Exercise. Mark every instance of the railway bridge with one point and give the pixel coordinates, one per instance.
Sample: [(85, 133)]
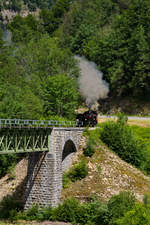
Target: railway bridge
[(51, 145)]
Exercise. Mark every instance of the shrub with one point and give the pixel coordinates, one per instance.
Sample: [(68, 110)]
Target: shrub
[(120, 138), (7, 162), (34, 213), (89, 213), (139, 215), (31, 214), (93, 141), (11, 172), (79, 171), (118, 205), (67, 211), (90, 149), (9, 207), (94, 212), (65, 180), (44, 214)]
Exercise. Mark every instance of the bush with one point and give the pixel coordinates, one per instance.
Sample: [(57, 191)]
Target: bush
[(139, 215), (65, 180), (118, 205), (11, 172), (44, 214), (9, 207), (67, 212), (90, 148), (120, 138), (94, 212), (7, 163), (93, 141), (35, 213), (79, 171), (89, 213)]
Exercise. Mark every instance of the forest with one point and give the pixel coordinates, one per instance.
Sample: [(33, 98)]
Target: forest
[(39, 78), (112, 33)]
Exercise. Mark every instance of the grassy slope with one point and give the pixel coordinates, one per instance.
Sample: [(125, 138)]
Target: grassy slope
[(108, 174)]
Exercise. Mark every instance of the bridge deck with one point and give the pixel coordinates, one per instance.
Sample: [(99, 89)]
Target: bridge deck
[(20, 136)]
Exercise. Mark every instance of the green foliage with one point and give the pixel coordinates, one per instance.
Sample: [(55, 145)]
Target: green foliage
[(120, 210), (65, 180), (118, 205), (85, 213), (24, 29), (35, 213), (32, 212), (142, 133), (139, 215), (67, 211), (52, 18), (7, 163), (18, 5), (24, 79), (120, 138), (115, 35), (1, 40), (94, 212), (92, 142), (90, 149), (11, 171), (77, 172), (60, 96), (9, 207)]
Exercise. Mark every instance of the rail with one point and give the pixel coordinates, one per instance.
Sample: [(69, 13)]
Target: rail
[(20, 123)]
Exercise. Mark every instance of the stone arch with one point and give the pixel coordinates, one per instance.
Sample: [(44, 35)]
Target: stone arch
[(68, 152)]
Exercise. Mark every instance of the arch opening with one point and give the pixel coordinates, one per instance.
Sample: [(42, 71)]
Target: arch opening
[(67, 155)]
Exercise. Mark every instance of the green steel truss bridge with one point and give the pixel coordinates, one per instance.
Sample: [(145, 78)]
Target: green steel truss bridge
[(20, 136)]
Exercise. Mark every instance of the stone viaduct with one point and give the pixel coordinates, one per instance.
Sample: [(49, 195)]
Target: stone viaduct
[(45, 169)]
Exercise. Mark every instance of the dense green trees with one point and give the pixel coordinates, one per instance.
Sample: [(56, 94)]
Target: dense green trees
[(115, 35), (25, 29), (25, 75), (51, 19), (61, 96)]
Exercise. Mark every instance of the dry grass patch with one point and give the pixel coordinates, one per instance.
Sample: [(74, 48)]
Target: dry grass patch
[(141, 123), (108, 175)]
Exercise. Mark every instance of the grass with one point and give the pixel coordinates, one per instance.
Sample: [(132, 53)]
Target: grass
[(141, 123), (143, 133), (93, 183)]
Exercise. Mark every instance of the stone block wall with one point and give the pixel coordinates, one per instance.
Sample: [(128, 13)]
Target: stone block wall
[(44, 176)]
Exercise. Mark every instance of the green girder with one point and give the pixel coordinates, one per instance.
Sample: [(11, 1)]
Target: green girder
[(16, 140)]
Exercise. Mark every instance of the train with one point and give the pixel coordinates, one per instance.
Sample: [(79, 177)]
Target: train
[(88, 118)]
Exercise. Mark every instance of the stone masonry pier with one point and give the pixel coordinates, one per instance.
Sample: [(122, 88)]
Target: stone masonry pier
[(44, 176)]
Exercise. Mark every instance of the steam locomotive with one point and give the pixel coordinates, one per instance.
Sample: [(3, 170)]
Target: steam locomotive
[(88, 118)]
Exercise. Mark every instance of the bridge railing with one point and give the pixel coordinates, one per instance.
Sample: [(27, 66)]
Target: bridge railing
[(4, 123)]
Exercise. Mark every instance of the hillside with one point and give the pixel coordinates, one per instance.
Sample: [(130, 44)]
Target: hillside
[(108, 175), (112, 34)]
